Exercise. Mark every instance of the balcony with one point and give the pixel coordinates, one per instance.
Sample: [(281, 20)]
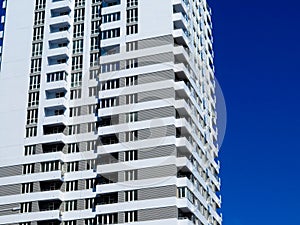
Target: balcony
[(181, 36), (61, 84), (58, 4), (182, 54), (54, 147), (56, 102), (180, 20), (105, 199), (43, 217), (109, 3), (58, 52), (181, 5), (60, 35), (60, 119), (108, 159), (182, 90), (49, 205), (50, 185), (63, 19), (108, 178)]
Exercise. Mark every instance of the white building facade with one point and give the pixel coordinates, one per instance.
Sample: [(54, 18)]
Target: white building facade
[(112, 119)]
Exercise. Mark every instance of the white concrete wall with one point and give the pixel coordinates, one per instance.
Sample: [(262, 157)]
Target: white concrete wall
[(14, 77), (155, 18)]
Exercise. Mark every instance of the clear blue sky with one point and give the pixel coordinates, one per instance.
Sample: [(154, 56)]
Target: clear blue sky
[(257, 47)]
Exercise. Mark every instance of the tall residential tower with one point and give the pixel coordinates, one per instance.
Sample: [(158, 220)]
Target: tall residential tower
[(108, 113)]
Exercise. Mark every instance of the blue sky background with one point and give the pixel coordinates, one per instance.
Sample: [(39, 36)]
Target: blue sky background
[(257, 47)]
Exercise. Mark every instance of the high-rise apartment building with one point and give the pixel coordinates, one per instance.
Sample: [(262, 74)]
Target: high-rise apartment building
[(108, 113)]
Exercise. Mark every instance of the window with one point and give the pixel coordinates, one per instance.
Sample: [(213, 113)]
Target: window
[(78, 46), (96, 11), (94, 43), (95, 26), (37, 49), (70, 222), (132, 80), (91, 145), (38, 33), (26, 207), (94, 59), (39, 18), (132, 15), (131, 3), (181, 192), (131, 136), (34, 82), (58, 112), (74, 129), (72, 185), (107, 219), (130, 216), (31, 131), (111, 17), (79, 3), (28, 169), (70, 205), (33, 99), (78, 30), (131, 155), (94, 74), (75, 94), (132, 46), (79, 14), (110, 84), (29, 150), (40, 4), (50, 166), (92, 91), (107, 34), (108, 102), (77, 62), (90, 183), (36, 65), (132, 29), (131, 196), (57, 76), (61, 61), (72, 166), (131, 63), (110, 50), (75, 111), (90, 164), (89, 203), (92, 109), (89, 222), (91, 127), (131, 99), (76, 79), (32, 116), (27, 188), (131, 117), (59, 94), (110, 67), (73, 148), (130, 175)]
